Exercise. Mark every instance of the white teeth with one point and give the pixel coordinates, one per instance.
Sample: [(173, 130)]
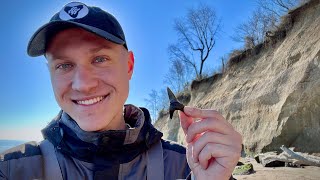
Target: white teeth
[(90, 101)]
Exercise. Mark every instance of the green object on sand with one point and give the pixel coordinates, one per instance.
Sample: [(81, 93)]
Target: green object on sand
[(243, 170)]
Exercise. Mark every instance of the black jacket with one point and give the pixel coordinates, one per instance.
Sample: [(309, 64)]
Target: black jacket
[(123, 154)]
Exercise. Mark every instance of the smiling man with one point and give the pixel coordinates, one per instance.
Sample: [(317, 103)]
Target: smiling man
[(90, 78), (97, 136)]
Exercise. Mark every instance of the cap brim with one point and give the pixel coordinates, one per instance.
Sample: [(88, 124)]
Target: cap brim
[(39, 40)]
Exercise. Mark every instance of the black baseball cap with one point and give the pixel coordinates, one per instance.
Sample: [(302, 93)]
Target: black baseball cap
[(77, 14)]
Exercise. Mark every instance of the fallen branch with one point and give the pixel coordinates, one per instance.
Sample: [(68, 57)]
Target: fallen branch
[(288, 156), (301, 158)]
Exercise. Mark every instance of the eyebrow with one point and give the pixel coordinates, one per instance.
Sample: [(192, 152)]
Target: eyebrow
[(97, 49), (92, 50), (53, 58)]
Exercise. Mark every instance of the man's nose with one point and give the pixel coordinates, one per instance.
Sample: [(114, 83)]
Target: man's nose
[(84, 80)]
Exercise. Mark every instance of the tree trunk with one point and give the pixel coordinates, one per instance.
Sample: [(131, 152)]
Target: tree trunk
[(201, 66), (288, 156), (302, 158)]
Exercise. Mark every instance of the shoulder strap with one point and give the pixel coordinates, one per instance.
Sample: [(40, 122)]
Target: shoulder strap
[(155, 168), (51, 165)]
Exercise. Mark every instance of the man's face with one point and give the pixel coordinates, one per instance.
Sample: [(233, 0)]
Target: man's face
[(90, 78)]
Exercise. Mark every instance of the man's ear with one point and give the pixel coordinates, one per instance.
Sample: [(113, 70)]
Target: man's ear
[(47, 62), (130, 64)]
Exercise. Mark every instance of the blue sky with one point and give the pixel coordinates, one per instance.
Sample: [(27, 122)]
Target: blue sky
[(28, 103)]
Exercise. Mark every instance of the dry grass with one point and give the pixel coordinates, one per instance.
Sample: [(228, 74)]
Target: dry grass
[(209, 80)]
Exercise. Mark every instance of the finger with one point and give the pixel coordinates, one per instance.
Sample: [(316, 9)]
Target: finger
[(211, 137), (222, 154), (185, 121), (189, 154), (204, 125), (202, 113)]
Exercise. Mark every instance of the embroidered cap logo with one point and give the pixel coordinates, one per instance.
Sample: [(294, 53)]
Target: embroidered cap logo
[(74, 10)]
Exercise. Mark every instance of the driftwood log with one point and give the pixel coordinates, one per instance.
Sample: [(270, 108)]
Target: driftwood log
[(288, 156)]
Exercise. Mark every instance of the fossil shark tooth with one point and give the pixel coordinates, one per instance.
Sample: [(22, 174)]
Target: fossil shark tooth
[(174, 103)]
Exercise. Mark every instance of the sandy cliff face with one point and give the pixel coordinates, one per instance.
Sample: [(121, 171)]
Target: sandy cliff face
[(272, 98)]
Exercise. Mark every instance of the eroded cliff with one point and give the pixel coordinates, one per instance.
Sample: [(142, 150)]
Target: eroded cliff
[(272, 97)]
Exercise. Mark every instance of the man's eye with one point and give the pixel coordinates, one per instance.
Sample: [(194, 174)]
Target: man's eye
[(64, 66), (100, 59)]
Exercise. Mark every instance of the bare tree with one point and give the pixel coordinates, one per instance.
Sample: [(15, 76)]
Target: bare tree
[(183, 54), (278, 7), (180, 72), (175, 77), (197, 31), (264, 19), (164, 99), (252, 32), (153, 104)]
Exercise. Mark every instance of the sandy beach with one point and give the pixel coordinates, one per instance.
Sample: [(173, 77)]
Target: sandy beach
[(279, 173)]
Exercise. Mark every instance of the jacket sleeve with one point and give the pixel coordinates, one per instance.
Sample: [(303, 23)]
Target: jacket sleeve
[(3, 170), (22, 162), (175, 161)]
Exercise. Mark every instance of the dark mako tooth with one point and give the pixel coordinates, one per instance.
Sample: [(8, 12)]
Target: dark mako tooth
[(174, 103)]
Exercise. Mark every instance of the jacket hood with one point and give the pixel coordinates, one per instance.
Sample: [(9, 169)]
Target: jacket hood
[(113, 145)]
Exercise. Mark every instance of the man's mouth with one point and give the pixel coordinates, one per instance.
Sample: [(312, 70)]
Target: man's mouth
[(90, 101)]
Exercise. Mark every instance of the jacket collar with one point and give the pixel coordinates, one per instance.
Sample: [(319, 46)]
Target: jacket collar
[(133, 116), (115, 145)]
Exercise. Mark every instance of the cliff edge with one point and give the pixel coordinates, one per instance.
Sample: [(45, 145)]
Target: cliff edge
[(271, 97)]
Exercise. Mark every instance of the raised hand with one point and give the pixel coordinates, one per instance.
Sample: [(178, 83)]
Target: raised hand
[(213, 146)]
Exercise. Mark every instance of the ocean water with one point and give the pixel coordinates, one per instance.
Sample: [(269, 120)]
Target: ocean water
[(7, 144)]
